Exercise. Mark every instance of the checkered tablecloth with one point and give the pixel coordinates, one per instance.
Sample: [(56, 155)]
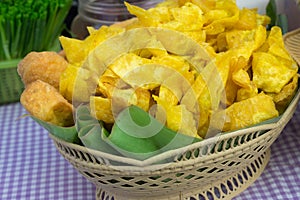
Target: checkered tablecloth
[(32, 169)]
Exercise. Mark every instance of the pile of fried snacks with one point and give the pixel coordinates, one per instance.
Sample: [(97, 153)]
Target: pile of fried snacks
[(248, 75)]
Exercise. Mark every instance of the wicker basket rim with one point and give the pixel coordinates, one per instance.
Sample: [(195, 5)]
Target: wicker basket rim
[(291, 40), (209, 141)]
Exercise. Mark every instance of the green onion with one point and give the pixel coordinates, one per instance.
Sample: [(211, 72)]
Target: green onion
[(30, 25)]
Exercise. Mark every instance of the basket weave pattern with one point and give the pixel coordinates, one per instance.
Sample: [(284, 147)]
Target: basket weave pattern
[(11, 85), (291, 40), (219, 189), (219, 169)]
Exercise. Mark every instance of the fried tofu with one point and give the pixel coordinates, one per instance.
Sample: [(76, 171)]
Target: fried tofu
[(44, 101), (46, 66)]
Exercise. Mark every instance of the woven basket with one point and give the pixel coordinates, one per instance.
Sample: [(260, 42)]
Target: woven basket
[(291, 40), (11, 85), (216, 168)]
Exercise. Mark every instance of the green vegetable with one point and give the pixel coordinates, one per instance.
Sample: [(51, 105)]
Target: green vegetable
[(277, 19), (30, 25)]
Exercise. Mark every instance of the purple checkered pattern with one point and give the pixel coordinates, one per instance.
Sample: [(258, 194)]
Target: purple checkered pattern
[(32, 169), (281, 178), (30, 166)]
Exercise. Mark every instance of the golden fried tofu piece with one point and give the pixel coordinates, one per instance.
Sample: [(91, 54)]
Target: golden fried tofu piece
[(269, 74), (101, 109), (46, 66), (44, 102), (105, 109), (284, 97), (246, 113)]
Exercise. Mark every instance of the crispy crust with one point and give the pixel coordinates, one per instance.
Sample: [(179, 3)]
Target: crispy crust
[(43, 101), (46, 66)]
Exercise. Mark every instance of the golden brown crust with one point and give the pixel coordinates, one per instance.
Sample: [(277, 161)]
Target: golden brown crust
[(283, 99), (46, 66), (44, 102)]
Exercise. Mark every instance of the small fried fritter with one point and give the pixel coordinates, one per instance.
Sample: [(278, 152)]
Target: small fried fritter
[(44, 102), (46, 66)]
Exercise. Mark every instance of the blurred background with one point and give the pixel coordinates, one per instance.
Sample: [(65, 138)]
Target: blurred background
[(99, 12), (95, 13), (72, 14)]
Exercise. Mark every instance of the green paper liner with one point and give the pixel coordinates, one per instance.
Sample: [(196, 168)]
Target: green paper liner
[(91, 132), (134, 138), (68, 134), (124, 139)]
